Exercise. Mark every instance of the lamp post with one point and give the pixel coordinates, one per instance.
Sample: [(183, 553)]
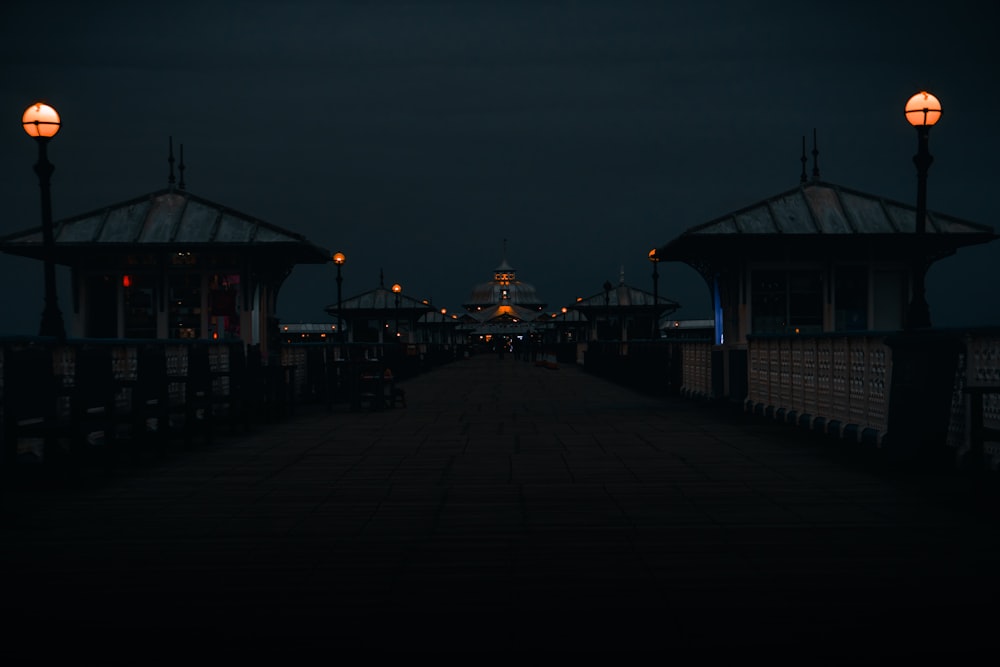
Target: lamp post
[(922, 111), (924, 361), (396, 289), (339, 258), (607, 305), (42, 122), (656, 291), (656, 275)]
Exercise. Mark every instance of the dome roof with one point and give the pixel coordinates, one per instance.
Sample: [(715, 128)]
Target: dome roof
[(504, 290), (517, 293)]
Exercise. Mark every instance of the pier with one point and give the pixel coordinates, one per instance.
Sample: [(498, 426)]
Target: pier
[(510, 505)]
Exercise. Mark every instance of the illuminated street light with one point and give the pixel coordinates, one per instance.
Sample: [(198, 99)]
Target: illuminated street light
[(396, 289), (656, 275), (654, 258), (42, 122), (339, 259), (923, 110)]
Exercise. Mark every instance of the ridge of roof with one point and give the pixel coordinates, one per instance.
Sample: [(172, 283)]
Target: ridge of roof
[(937, 219)]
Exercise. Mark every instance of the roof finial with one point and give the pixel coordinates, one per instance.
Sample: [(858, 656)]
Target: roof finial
[(381, 278), (621, 275), (170, 159), (815, 157), (802, 176), (181, 168)]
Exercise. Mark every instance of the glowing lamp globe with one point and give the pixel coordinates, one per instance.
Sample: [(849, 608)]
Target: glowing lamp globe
[(652, 256), (40, 121), (923, 109), (339, 258), (397, 288)]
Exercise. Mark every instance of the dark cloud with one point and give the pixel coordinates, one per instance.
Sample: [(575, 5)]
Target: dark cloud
[(416, 136)]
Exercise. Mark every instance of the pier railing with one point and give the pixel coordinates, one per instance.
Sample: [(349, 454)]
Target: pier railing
[(840, 384), (84, 398), (834, 383)]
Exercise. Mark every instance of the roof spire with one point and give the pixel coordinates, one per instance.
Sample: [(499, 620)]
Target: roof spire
[(381, 278), (802, 177), (621, 275), (170, 159), (815, 157), (181, 168)]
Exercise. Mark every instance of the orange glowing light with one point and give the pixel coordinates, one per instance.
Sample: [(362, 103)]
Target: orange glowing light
[(397, 288), (40, 120), (923, 109), (339, 258), (652, 256)]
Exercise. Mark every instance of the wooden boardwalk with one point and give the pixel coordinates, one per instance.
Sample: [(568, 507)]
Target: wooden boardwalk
[(509, 506)]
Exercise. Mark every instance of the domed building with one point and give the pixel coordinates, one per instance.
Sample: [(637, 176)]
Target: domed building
[(504, 305)]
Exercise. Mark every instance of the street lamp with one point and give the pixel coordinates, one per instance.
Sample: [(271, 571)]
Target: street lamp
[(656, 275), (607, 306), (922, 111), (396, 289), (42, 122), (654, 258), (340, 259)]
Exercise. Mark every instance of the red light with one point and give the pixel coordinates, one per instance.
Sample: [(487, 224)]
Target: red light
[(126, 280)]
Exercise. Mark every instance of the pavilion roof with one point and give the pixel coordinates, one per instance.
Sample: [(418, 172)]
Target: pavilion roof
[(168, 219), (625, 297), (819, 217)]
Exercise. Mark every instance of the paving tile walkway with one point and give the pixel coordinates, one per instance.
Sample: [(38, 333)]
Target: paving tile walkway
[(509, 506)]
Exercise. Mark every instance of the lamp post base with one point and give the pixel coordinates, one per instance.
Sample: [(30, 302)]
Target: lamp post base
[(52, 324), (923, 379), (918, 315)]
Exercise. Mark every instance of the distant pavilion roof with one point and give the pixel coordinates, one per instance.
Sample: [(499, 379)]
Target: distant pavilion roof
[(380, 301), (507, 311), (519, 295), (168, 219), (823, 219), (623, 297)]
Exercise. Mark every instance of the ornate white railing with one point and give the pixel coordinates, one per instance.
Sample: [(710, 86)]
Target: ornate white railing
[(843, 382), (696, 368), (823, 381)]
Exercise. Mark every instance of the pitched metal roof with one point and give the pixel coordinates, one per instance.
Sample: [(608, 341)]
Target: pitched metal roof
[(824, 208), (507, 310), (166, 219), (818, 215), (380, 300), (624, 297)]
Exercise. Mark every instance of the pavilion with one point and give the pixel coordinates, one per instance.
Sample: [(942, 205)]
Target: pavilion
[(504, 306), (623, 312), (170, 264), (818, 258)]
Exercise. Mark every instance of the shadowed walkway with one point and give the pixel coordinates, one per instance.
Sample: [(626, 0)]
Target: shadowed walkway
[(509, 506)]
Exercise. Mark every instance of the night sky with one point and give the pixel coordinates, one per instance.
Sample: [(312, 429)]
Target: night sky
[(416, 136)]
